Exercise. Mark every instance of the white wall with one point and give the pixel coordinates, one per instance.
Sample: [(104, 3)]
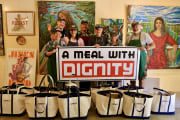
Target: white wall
[(169, 79)]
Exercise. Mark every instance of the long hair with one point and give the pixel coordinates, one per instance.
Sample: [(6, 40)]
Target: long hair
[(77, 35), (163, 28), (69, 19)]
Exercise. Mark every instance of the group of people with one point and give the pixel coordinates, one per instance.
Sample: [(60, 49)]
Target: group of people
[(152, 46)]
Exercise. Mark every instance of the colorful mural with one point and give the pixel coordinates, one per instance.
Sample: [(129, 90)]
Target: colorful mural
[(146, 15), (72, 11), (110, 25), (1, 33)]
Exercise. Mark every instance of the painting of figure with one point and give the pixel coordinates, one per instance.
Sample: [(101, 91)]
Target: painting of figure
[(61, 15), (162, 23)]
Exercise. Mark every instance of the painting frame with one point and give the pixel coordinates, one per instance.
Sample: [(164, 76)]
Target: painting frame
[(2, 51), (20, 22)]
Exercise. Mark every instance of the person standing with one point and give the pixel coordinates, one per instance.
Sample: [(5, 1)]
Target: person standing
[(50, 52), (84, 33), (97, 39), (160, 37), (143, 42)]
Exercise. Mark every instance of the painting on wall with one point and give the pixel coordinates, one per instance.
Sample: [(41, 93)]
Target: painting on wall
[(164, 55), (72, 11), (20, 22), (110, 25), (21, 67), (1, 33)]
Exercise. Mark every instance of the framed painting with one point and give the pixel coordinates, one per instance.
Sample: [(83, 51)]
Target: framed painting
[(1, 33), (20, 22), (110, 25), (72, 11), (166, 54)]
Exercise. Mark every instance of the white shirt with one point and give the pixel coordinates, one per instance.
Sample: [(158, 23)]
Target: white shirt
[(145, 38)]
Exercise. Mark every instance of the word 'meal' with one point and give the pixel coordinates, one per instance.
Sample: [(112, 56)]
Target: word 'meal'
[(97, 54)]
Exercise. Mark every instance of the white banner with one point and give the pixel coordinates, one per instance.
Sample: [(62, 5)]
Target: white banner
[(104, 63)]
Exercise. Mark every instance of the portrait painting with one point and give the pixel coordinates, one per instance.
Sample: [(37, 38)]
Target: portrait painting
[(166, 21), (72, 11)]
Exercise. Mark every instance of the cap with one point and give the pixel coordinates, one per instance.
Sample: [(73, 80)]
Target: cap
[(134, 23), (98, 26), (61, 19), (53, 30), (73, 27), (113, 33), (84, 21)]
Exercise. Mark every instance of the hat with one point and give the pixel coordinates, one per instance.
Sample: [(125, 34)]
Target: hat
[(53, 30), (73, 27), (134, 23), (113, 33), (84, 21), (61, 19), (98, 26)]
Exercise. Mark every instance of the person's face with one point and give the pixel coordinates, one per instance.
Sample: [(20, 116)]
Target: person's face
[(84, 27), (114, 38), (58, 36), (20, 76), (135, 28), (158, 24), (53, 36), (61, 24), (73, 33), (99, 31)]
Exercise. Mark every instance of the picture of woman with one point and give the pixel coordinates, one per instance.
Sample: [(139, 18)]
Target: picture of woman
[(160, 37)]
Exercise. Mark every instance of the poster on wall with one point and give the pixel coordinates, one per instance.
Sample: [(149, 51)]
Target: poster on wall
[(104, 63), (162, 23), (110, 25), (1, 33), (21, 66), (72, 11)]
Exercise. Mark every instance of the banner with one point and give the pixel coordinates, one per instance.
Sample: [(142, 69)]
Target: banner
[(104, 63), (21, 66)]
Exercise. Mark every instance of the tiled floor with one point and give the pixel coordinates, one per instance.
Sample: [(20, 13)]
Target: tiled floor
[(93, 116)]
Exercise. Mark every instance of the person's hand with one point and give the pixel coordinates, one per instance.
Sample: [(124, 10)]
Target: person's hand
[(97, 45), (174, 58), (49, 27), (141, 48), (57, 46), (54, 51)]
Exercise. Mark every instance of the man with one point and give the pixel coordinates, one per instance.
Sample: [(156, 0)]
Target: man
[(97, 39), (143, 42), (84, 33)]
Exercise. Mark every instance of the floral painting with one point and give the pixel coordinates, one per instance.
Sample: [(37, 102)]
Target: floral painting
[(110, 25)]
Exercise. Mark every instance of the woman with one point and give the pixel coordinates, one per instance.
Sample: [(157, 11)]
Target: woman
[(73, 39), (160, 37)]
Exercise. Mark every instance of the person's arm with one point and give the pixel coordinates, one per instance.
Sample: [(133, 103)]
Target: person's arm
[(50, 52), (49, 28), (80, 42), (66, 40), (150, 43), (175, 46)]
